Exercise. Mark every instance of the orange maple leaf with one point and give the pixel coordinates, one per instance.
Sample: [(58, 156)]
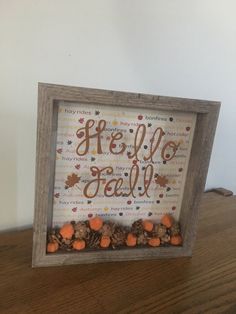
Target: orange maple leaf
[(72, 180), (161, 180)]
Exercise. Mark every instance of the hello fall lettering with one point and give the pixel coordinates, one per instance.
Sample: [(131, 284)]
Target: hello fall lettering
[(113, 186)]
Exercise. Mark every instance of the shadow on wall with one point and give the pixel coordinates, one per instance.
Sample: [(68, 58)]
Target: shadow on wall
[(8, 168), (17, 138)]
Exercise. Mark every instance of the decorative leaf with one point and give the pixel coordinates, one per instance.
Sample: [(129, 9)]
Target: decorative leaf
[(161, 180), (72, 180)]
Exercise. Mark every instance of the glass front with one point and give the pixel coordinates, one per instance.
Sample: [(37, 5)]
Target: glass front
[(119, 176)]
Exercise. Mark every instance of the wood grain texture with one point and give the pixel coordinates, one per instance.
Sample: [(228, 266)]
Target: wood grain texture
[(205, 283), (118, 98), (49, 94)]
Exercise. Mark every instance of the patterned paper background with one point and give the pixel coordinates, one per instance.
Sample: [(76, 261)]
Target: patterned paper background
[(73, 172)]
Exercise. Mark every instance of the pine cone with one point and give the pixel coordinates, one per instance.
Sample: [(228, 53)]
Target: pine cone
[(64, 244), (81, 230), (54, 235), (93, 239), (137, 227), (142, 239), (107, 229), (118, 237), (159, 230), (175, 229), (67, 242), (165, 239)]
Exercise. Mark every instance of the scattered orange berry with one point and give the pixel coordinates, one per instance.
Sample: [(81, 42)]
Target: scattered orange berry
[(131, 240), (79, 245), (67, 231), (96, 223), (105, 241), (167, 220), (52, 247), (154, 242), (176, 240), (147, 225)]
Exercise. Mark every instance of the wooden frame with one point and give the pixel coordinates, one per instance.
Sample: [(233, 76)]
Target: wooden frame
[(48, 95)]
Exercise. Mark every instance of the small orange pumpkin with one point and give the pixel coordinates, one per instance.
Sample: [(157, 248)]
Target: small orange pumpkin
[(154, 242), (176, 240), (96, 223), (52, 247), (79, 245), (67, 231), (167, 220), (105, 241), (131, 240), (147, 225)]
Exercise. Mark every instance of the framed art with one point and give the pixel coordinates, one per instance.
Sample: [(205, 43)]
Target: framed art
[(119, 176)]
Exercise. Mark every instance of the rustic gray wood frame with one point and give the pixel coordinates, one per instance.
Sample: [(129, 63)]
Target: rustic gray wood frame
[(48, 96)]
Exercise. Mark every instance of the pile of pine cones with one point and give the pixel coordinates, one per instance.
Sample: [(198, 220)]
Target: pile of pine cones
[(96, 234)]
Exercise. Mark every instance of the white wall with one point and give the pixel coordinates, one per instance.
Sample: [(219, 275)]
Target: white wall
[(183, 48)]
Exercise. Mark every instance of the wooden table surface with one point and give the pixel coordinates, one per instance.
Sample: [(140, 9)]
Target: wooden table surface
[(205, 283)]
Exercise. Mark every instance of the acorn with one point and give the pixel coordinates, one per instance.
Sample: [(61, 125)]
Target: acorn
[(79, 245), (105, 241), (167, 220), (67, 231), (176, 240), (147, 225), (154, 242), (96, 223), (52, 247), (131, 240)]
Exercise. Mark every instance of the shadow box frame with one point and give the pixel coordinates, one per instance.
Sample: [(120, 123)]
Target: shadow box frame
[(48, 97)]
